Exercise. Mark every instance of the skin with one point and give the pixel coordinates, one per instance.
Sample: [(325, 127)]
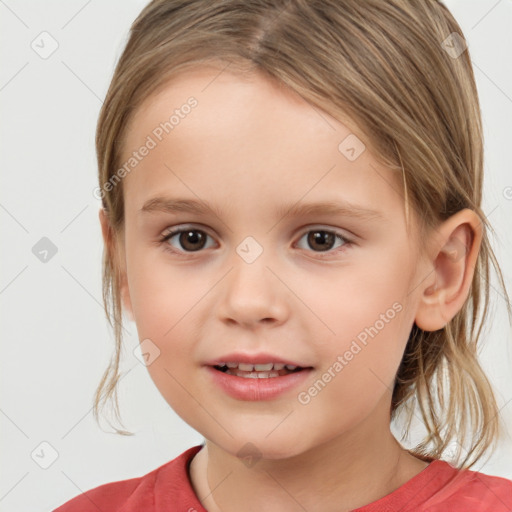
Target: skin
[(249, 147)]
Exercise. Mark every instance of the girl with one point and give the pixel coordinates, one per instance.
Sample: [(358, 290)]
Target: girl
[(292, 217)]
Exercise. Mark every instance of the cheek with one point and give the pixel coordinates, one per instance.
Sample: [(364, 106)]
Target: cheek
[(162, 294), (164, 300), (351, 300), (358, 370), (365, 322)]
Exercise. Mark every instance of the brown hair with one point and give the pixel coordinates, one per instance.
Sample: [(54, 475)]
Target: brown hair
[(385, 66)]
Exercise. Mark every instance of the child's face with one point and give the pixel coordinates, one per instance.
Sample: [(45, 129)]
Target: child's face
[(252, 150)]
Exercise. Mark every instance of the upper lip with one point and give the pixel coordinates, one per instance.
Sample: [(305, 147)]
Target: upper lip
[(259, 358)]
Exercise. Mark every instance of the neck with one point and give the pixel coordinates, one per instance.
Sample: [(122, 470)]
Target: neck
[(349, 471)]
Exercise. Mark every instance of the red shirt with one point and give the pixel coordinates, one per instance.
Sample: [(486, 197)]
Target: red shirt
[(438, 488)]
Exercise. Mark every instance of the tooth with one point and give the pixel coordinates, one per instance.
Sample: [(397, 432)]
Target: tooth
[(278, 366), (245, 367), (232, 365), (291, 367), (256, 375), (263, 367)]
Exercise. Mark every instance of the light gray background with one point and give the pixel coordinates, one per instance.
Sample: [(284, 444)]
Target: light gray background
[(55, 339)]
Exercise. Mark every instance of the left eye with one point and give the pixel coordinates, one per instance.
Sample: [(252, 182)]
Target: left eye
[(323, 239)]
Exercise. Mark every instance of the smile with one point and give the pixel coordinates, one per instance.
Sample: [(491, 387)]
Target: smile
[(254, 384)]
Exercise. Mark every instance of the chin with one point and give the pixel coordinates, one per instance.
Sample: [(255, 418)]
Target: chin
[(250, 449)]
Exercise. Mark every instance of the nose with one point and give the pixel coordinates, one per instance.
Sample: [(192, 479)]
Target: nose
[(252, 295)]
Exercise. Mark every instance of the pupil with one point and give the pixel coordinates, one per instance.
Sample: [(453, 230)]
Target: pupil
[(320, 237)]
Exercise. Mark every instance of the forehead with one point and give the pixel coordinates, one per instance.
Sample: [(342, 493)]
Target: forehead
[(231, 101), (215, 132)]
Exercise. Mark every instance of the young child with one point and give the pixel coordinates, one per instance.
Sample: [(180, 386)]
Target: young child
[(326, 158)]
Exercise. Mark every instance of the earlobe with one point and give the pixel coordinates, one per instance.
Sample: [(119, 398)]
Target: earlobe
[(117, 261), (447, 287)]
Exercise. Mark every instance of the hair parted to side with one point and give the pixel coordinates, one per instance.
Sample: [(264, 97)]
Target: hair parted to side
[(378, 64)]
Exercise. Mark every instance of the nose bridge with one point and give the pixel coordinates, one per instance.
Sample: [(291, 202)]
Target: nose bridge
[(251, 291)]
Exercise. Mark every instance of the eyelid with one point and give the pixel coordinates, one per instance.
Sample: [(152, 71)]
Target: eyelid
[(184, 227), (348, 235)]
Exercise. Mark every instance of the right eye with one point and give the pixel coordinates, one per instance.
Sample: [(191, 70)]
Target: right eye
[(190, 239)]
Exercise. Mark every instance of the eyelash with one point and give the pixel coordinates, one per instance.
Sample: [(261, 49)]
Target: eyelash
[(348, 242)]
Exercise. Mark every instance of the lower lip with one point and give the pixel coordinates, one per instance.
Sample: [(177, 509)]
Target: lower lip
[(243, 388)]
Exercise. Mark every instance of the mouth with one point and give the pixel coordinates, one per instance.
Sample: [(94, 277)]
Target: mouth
[(259, 371)]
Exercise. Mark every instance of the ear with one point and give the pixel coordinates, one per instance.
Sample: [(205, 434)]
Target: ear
[(454, 249), (115, 249)]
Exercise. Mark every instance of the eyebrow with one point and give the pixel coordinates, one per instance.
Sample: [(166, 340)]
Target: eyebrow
[(338, 207)]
